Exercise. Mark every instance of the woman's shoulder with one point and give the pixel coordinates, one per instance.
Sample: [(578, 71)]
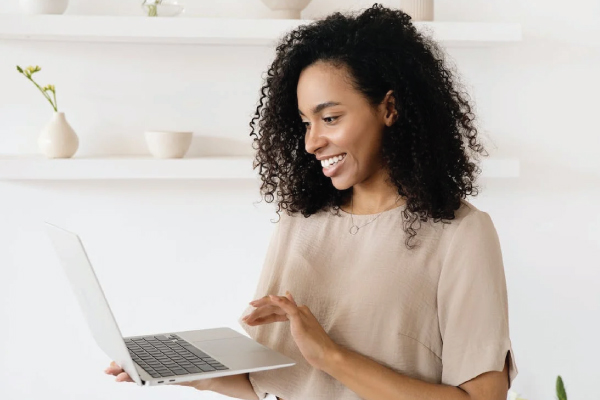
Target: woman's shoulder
[(442, 230), (468, 211), (469, 224), (284, 218)]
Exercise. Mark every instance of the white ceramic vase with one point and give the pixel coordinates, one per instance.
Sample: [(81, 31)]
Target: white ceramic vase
[(289, 9), (43, 6), (58, 139), (419, 10)]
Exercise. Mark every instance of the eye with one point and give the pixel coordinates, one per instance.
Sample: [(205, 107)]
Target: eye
[(324, 119)]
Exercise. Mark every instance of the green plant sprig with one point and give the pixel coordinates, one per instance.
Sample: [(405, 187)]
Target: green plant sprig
[(28, 72), (152, 11), (560, 389)]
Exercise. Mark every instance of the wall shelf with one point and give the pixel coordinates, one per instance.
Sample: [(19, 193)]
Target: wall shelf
[(220, 31), (37, 167)]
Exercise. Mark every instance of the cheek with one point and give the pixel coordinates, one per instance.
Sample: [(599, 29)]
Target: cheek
[(362, 154), (352, 142), (370, 150), (362, 143)]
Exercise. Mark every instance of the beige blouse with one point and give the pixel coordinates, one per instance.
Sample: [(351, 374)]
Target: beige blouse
[(437, 313)]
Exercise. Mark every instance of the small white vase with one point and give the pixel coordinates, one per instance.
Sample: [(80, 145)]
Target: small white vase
[(419, 10), (43, 6), (58, 139)]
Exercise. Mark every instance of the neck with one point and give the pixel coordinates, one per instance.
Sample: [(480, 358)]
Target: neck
[(373, 197)]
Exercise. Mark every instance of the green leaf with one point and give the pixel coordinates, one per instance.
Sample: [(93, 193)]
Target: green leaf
[(560, 389)]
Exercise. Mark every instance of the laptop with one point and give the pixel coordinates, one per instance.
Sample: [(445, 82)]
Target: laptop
[(160, 358)]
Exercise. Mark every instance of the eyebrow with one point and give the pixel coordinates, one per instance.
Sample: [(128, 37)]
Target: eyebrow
[(321, 106)]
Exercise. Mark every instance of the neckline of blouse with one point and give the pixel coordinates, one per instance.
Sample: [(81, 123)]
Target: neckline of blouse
[(363, 216)]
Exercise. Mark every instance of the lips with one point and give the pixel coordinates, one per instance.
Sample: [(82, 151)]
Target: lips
[(333, 170)]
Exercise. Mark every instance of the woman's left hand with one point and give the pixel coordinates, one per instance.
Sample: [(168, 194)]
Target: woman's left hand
[(310, 337)]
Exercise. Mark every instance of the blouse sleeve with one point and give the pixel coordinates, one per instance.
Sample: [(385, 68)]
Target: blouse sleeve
[(473, 304), (265, 277)]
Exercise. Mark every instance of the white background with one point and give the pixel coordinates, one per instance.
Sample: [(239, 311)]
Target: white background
[(179, 255)]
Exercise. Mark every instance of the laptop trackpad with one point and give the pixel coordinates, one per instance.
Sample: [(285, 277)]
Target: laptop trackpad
[(227, 346)]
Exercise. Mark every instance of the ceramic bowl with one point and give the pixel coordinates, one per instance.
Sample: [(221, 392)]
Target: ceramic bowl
[(43, 6), (286, 8), (168, 144)]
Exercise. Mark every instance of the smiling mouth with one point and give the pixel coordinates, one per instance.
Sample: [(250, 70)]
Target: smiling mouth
[(327, 164)]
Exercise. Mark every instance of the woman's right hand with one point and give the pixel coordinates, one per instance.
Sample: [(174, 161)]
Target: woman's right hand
[(122, 376)]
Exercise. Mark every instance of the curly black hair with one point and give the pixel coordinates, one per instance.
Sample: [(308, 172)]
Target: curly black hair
[(428, 149)]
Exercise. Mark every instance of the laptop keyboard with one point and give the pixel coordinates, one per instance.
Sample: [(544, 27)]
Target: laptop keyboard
[(170, 355)]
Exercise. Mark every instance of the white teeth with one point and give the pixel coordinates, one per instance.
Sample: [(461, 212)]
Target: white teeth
[(332, 160)]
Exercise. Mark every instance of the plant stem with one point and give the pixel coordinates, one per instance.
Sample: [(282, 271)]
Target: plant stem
[(152, 9), (43, 92)]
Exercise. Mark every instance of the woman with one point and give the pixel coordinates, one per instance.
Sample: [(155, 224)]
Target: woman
[(363, 133)]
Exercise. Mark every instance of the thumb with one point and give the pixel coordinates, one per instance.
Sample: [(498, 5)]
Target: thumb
[(289, 296)]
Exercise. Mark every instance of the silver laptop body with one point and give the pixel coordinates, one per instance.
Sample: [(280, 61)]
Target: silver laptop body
[(192, 355)]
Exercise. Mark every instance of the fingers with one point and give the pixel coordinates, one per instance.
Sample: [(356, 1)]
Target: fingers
[(267, 299), (262, 312), (268, 319), (289, 307), (117, 371), (261, 301), (289, 296), (113, 369), (124, 377)]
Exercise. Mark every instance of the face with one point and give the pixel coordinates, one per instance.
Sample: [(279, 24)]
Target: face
[(341, 124)]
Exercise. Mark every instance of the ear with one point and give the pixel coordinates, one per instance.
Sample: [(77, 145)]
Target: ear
[(389, 105)]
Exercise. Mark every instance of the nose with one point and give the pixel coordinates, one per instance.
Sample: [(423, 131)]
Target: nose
[(314, 140)]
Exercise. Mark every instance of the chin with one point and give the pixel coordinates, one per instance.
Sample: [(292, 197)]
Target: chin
[(340, 184)]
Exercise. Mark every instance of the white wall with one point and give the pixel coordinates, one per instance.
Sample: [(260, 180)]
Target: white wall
[(178, 255)]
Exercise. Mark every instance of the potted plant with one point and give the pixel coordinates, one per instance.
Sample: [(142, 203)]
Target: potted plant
[(57, 139)]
